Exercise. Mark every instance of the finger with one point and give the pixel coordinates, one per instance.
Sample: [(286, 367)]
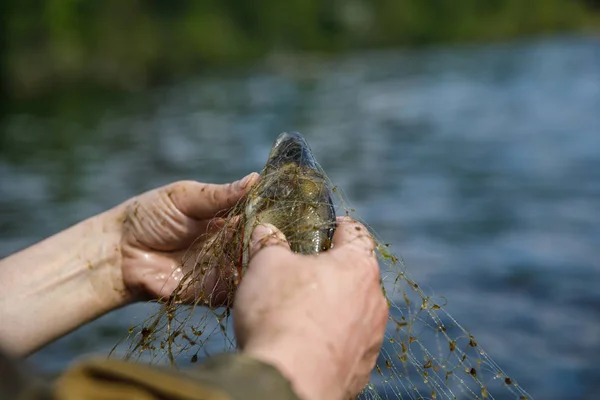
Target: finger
[(265, 235), (350, 233), (194, 233), (209, 271), (217, 224), (204, 200), (209, 227)]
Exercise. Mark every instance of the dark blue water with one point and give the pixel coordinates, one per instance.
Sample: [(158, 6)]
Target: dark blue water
[(481, 165)]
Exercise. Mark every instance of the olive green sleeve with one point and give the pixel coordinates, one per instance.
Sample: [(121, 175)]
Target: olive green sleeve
[(223, 377)]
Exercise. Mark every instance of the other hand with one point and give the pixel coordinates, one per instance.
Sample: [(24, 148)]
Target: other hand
[(164, 226), (319, 319)]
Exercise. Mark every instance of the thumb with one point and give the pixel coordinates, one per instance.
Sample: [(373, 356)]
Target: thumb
[(204, 200), (266, 235)]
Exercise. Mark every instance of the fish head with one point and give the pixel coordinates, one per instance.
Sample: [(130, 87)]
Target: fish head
[(290, 148)]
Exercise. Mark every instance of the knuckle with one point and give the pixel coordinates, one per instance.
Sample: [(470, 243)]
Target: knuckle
[(176, 190), (372, 270), (179, 185), (214, 195)]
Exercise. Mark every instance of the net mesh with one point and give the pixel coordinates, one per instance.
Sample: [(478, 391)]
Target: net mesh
[(426, 353)]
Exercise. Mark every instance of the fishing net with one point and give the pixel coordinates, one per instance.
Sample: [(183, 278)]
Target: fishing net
[(426, 353)]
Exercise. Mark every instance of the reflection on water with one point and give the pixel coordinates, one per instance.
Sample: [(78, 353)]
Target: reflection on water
[(481, 165)]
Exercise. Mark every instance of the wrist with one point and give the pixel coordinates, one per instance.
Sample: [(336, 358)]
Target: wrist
[(104, 258), (76, 270), (304, 362)]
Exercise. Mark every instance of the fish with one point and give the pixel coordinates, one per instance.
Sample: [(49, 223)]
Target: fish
[(295, 196)]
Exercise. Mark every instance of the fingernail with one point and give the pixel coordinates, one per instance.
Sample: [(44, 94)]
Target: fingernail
[(243, 183), (261, 235), (260, 232), (219, 222)]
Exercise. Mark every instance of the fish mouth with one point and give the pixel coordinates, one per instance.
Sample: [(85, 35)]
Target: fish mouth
[(291, 147)]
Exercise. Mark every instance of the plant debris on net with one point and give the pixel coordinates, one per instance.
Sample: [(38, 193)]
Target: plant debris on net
[(426, 353)]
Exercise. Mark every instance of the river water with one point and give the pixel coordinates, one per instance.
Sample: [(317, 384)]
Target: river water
[(480, 164)]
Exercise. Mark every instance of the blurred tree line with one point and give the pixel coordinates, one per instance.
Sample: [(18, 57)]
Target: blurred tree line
[(50, 44)]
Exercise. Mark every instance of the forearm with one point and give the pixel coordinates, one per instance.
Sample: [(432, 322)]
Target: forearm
[(56, 285)]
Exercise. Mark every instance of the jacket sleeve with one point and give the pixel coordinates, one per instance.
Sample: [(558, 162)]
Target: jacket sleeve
[(223, 377)]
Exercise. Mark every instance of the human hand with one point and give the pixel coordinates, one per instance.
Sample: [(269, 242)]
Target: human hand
[(161, 226), (319, 319), (131, 252)]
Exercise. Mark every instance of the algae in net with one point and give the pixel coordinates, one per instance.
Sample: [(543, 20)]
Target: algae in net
[(426, 353)]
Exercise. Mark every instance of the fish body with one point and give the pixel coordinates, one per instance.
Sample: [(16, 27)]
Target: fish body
[(294, 195)]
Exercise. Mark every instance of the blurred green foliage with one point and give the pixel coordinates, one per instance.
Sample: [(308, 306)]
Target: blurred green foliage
[(125, 44)]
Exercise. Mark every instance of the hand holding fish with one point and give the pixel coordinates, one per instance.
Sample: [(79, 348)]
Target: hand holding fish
[(301, 311), (129, 253), (163, 225)]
